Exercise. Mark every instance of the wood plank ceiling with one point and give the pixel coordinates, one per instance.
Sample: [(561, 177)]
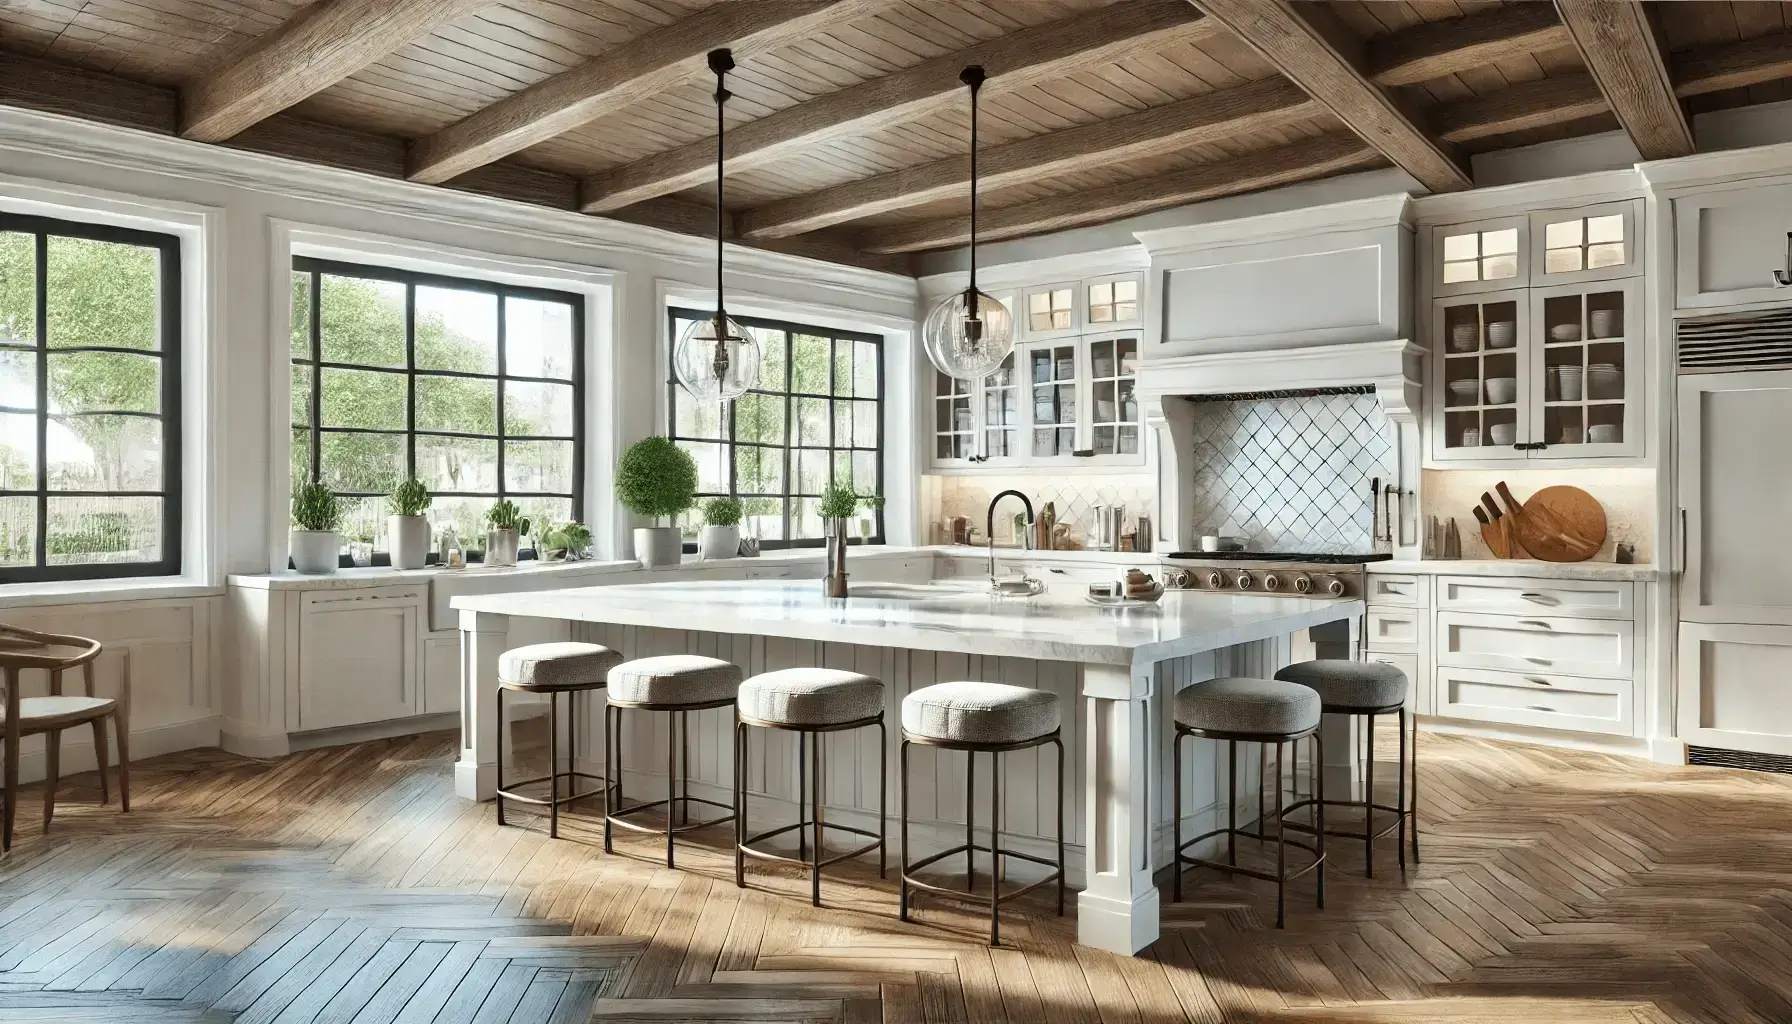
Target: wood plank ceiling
[(849, 131)]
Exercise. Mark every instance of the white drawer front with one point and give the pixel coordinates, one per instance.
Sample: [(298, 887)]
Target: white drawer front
[(1391, 629), (1599, 599), (1407, 663), (1580, 647), (1393, 589), (1545, 700)]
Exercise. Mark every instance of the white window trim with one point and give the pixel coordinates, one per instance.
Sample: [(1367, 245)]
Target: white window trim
[(597, 286), (200, 230)]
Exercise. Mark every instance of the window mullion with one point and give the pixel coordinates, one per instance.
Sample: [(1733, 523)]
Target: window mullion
[(317, 376), (42, 300), (410, 380), (503, 367)]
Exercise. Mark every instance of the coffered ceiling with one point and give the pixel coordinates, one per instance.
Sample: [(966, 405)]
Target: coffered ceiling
[(848, 133)]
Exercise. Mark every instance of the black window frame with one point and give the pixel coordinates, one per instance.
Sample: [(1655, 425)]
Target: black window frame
[(171, 493), (790, 396), (412, 280)]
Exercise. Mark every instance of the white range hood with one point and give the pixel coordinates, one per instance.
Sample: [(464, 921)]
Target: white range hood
[(1307, 301)]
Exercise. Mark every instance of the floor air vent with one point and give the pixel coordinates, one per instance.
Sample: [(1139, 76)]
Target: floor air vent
[(1739, 341), (1717, 757)]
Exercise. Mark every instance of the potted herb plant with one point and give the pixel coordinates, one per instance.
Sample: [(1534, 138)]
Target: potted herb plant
[(720, 537), (657, 479), (564, 541), (407, 530), (838, 503), (504, 539), (315, 546)]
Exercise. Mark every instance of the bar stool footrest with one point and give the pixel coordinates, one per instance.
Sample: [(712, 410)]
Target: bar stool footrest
[(747, 847), (509, 792), (1235, 869), (1304, 827), (977, 898), (616, 817)]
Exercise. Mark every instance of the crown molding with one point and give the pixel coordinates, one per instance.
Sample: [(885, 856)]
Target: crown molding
[(138, 152), (1353, 215), (1529, 196), (1720, 168), (1120, 259), (1389, 365)]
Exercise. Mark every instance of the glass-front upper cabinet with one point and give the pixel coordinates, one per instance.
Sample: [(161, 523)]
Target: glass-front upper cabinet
[(1114, 404), (1489, 255), (1052, 376), (954, 436), (1593, 243)]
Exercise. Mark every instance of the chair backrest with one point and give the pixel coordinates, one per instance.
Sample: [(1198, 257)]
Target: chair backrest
[(29, 648)]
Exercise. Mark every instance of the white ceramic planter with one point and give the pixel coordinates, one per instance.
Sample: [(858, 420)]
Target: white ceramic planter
[(658, 546), (407, 537), (718, 542), (501, 547), (315, 551)]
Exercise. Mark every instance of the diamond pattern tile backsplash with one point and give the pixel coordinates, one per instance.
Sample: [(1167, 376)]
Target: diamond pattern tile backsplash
[(1289, 474)]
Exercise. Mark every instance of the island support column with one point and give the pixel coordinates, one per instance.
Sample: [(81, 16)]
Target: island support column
[(483, 637), (1118, 907)]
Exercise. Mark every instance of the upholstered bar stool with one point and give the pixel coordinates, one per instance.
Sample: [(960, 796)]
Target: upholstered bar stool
[(1268, 711), (558, 668), (992, 718), (1366, 689), (677, 684), (810, 702)]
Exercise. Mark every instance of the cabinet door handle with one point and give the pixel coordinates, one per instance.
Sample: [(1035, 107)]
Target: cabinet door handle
[(1539, 623), (1682, 565)]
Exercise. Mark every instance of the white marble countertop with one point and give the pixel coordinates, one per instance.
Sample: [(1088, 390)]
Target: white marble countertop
[(1529, 567), (1059, 625)]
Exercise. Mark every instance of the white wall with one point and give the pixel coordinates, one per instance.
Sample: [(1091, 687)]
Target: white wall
[(240, 215)]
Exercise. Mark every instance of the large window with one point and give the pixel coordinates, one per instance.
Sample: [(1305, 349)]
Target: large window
[(471, 387), (89, 401), (814, 419)]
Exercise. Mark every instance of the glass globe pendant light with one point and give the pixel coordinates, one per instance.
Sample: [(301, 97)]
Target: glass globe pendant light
[(969, 333), (716, 359)]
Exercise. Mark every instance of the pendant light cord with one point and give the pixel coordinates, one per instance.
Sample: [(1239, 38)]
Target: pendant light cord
[(973, 76), (721, 62)]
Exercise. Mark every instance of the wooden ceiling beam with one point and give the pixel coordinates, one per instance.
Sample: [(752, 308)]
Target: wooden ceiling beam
[(1203, 119), (320, 46), (1622, 49), (1439, 48), (1535, 104), (628, 74), (1014, 60), (1300, 161), (1319, 54), (1733, 65)]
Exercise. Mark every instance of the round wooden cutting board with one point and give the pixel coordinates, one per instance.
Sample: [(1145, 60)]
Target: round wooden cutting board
[(1561, 524)]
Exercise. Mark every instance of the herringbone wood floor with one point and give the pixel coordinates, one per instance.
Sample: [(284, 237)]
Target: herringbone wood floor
[(351, 885)]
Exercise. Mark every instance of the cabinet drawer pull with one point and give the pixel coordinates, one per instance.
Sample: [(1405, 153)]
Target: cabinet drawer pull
[(1539, 680), (1531, 595), (1540, 707), (1060, 572), (1539, 623), (1538, 661)]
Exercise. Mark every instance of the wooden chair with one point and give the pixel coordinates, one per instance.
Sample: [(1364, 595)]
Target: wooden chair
[(28, 716)]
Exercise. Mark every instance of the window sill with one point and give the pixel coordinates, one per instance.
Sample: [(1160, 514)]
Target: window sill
[(149, 588)]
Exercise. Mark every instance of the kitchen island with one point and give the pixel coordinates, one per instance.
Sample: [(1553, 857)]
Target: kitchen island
[(1113, 668)]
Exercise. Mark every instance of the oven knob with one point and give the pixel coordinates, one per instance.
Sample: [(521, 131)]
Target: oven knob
[(1270, 582), (1243, 581), (1334, 587), (1178, 579), (1303, 584), (1215, 581)]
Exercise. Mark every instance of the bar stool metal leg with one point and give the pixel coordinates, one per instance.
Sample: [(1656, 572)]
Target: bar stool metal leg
[(553, 766), (612, 775), (1316, 778), (1413, 810), (740, 801), (1369, 797), (1060, 802), (902, 805), (815, 816), (1175, 817), (498, 745), (1281, 847), (671, 782), (802, 786), (1400, 790), (995, 848), (970, 815), (883, 797)]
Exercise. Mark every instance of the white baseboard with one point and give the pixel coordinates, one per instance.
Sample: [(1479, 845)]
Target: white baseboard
[(77, 746), (1667, 751), (246, 740), (1624, 746), (373, 731)]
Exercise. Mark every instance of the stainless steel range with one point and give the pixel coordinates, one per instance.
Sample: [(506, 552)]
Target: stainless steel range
[(1269, 573)]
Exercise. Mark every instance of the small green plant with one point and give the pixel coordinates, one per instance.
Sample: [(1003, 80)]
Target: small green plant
[(656, 478), (722, 511), (571, 536), (841, 501), (314, 507), (410, 498), (506, 516)]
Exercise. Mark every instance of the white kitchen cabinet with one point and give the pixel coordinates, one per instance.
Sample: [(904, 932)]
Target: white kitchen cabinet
[(1408, 664), (1504, 595), (1728, 242), (1541, 700), (1587, 370), (1482, 382), (1397, 631), (1391, 628), (1393, 589), (441, 674), (1482, 256), (1570, 646), (1732, 690), (360, 657), (1590, 243)]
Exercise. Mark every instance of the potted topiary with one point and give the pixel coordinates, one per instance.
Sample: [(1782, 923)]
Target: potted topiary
[(407, 531), (657, 479), (315, 546), (721, 537), (504, 539)]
